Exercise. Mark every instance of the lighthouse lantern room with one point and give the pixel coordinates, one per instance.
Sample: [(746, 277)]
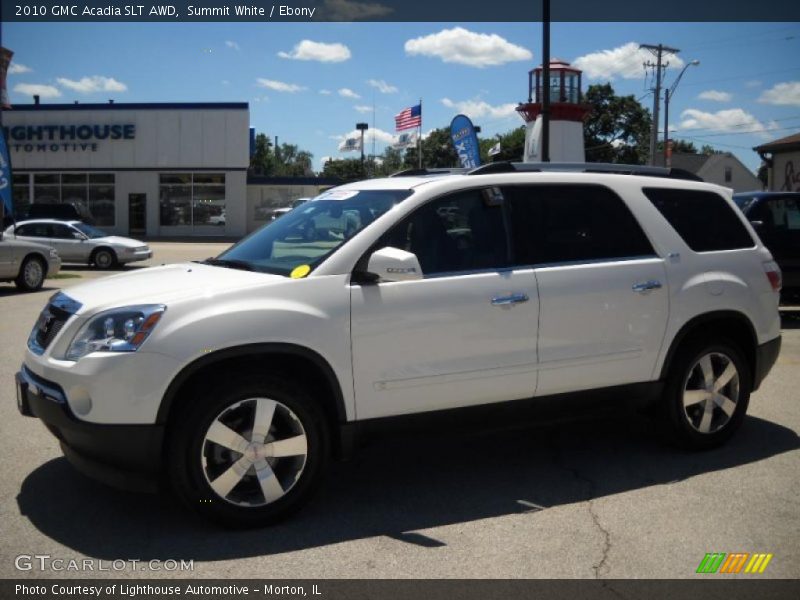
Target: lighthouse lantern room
[(567, 113)]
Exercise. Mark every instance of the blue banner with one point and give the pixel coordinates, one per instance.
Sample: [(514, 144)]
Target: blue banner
[(5, 176), (465, 141)]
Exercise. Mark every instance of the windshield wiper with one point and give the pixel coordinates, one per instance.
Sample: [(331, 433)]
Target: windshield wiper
[(228, 263)]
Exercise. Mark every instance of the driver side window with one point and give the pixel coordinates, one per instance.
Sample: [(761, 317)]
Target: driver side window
[(457, 233)]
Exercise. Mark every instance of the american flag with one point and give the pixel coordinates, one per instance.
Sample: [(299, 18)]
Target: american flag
[(409, 118)]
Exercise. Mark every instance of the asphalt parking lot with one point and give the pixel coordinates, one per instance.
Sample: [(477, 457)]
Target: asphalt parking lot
[(596, 498)]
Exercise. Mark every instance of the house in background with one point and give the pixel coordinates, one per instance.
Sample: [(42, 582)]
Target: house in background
[(782, 158), (723, 169)]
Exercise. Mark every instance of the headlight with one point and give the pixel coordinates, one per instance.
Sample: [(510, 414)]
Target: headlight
[(118, 330)]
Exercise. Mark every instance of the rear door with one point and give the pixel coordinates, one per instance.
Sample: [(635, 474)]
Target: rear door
[(602, 289)]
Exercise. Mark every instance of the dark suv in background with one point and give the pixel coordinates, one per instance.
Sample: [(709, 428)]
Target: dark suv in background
[(776, 218)]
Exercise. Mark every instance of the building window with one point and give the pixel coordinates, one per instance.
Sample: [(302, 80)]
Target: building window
[(728, 174), (192, 199), (92, 194), (21, 186)]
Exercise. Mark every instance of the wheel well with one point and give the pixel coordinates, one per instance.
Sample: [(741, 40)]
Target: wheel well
[(96, 250), (729, 325), (296, 363)]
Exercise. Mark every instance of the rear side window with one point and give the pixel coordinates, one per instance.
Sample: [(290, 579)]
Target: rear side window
[(572, 223), (704, 220)]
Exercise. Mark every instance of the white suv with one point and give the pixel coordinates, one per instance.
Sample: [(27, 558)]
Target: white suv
[(235, 379)]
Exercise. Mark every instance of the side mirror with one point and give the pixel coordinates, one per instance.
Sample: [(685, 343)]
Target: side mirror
[(393, 264)]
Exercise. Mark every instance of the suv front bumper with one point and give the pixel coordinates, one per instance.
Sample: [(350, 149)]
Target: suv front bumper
[(124, 456)]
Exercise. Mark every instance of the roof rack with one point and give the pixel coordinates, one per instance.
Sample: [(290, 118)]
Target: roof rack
[(520, 167), (430, 171)]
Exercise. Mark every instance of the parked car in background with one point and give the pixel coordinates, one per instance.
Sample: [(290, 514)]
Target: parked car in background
[(279, 212), (27, 264), (776, 218), (77, 242), (66, 211), (217, 219)]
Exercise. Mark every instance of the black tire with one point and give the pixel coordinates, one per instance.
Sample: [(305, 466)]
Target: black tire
[(688, 426), (193, 461), (32, 274), (104, 258)]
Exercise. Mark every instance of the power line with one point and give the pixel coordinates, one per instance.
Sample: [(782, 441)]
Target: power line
[(760, 74), (749, 124), (749, 132)]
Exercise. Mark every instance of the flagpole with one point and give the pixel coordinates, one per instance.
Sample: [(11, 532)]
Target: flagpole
[(419, 135)]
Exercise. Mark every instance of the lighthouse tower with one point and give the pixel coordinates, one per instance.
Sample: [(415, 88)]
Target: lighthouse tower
[(566, 114)]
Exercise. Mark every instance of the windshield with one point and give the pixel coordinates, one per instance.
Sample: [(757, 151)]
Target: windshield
[(311, 232), (88, 230)]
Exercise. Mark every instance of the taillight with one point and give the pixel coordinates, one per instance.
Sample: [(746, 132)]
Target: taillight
[(773, 273)]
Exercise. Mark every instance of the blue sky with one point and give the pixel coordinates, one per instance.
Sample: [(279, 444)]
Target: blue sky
[(746, 89)]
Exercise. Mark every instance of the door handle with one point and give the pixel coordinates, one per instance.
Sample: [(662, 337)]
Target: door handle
[(646, 286), (510, 299)]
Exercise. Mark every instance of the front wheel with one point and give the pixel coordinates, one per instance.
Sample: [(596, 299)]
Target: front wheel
[(250, 453), (104, 258), (31, 274), (706, 396)]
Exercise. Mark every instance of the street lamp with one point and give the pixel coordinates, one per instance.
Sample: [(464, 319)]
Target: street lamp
[(362, 127), (668, 92)]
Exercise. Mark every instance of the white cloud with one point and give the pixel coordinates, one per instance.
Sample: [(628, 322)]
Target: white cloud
[(715, 96), (232, 45), (348, 93), (363, 108), (464, 47), (784, 94), (382, 86), (18, 69), (478, 109), (733, 120), (35, 89), (318, 51), (624, 61), (325, 92), (279, 86), (94, 84), (378, 134)]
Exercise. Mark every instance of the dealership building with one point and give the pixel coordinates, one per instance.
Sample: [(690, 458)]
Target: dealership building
[(161, 169)]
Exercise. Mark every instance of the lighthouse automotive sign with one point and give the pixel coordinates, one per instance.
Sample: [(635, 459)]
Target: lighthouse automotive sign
[(66, 138)]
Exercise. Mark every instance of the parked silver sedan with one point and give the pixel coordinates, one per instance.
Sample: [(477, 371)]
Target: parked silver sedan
[(27, 264), (77, 242)]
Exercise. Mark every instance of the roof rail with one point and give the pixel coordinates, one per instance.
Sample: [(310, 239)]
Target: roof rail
[(520, 167), (430, 171)]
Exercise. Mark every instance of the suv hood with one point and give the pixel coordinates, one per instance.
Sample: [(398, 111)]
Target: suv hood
[(115, 240), (165, 284)]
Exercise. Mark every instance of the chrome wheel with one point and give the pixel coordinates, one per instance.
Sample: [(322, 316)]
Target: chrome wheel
[(33, 274), (711, 392), (254, 452), (103, 259)]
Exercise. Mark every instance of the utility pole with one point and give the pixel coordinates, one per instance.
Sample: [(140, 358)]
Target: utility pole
[(658, 51), (545, 150)]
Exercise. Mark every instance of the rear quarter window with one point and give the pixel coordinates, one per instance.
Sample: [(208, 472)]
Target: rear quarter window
[(704, 220)]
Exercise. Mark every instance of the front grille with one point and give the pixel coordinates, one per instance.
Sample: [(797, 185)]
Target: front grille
[(51, 321)]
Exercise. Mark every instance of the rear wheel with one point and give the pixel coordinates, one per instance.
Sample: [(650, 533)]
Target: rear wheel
[(249, 454), (104, 258), (31, 274), (706, 395)]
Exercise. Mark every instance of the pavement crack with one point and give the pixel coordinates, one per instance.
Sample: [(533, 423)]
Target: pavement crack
[(600, 567)]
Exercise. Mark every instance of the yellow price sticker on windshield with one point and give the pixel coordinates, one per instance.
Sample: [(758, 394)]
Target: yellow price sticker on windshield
[(300, 272)]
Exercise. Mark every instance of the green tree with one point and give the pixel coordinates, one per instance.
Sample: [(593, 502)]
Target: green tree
[(348, 169), (262, 162), (290, 161), (437, 151), (708, 150), (617, 129), (390, 162), (512, 146)]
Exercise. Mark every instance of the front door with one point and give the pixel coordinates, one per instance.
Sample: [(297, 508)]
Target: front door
[(463, 335), (137, 214)]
